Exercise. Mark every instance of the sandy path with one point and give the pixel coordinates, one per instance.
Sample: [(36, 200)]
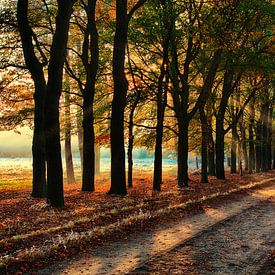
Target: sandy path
[(240, 245), (126, 255)]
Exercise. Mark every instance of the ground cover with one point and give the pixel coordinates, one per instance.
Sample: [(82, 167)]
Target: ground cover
[(33, 233)]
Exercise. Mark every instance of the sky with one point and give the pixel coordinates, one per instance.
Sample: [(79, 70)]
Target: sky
[(13, 142)]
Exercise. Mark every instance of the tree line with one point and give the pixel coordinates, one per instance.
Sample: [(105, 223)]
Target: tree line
[(155, 73)]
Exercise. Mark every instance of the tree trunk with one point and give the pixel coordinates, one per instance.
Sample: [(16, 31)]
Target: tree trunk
[(234, 140), (264, 118), (220, 149), (36, 70), (240, 157), (39, 186), (244, 146), (55, 195), (130, 150), (211, 152), (118, 178), (97, 159), (161, 104), (90, 59), (204, 143), (269, 139), (258, 147), (183, 154), (220, 132), (251, 148), (68, 146), (80, 136), (88, 172)]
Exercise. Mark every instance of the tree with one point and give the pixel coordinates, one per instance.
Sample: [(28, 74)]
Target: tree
[(118, 178), (35, 67)]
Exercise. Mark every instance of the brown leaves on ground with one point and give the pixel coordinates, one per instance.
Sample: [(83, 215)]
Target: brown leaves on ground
[(28, 223)]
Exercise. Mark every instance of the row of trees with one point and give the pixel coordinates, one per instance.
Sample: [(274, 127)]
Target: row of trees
[(155, 67)]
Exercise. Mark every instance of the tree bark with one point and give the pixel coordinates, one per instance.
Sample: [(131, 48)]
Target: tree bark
[(234, 141), (220, 132), (210, 149), (36, 70), (251, 148), (118, 178), (90, 59), (258, 147), (244, 146), (80, 136), (130, 149), (204, 143), (161, 104), (269, 139), (220, 149), (68, 146), (97, 159), (55, 194)]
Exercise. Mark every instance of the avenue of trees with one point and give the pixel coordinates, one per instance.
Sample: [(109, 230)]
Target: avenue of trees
[(181, 75)]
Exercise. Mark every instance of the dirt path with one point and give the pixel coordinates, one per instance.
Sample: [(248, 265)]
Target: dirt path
[(239, 245), (127, 255)]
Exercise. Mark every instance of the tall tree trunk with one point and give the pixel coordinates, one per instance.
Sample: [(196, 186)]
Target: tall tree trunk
[(204, 142), (55, 195), (130, 150), (220, 132), (258, 147), (36, 70), (183, 154), (88, 172), (220, 149), (118, 178), (90, 59), (211, 150), (240, 157), (234, 140), (251, 165), (79, 122), (97, 159), (68, 146), (244, 146), (39, 186), (264, 118), (269, 139), (161, 104)]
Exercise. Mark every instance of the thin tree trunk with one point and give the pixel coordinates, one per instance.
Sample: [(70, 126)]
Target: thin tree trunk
[(234, 140), (161, 104), (90, 59), (269, 139), (220, 149), (258, 147), (68, 146), (251, 165), (183, 154), (211, 151), (80, 136), (204, 142), (97, 159), (264, 116), (130, 150), (244, 146)]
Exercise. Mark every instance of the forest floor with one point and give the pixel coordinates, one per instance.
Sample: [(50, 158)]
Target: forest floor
[(34, 235)]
